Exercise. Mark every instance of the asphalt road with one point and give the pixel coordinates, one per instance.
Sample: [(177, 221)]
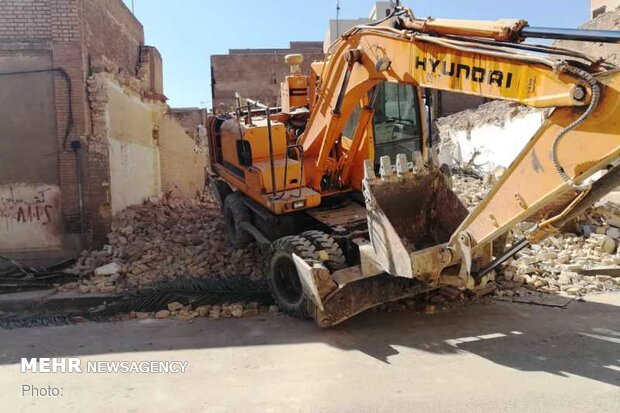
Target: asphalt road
[(485, 357)]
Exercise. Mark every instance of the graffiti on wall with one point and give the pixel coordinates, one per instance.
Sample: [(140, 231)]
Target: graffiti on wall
[(29, 216), (26, 210)]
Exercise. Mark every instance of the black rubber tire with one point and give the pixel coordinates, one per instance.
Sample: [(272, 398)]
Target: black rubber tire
[(236, 212), (220, 191), (324, 242), (283, 277)]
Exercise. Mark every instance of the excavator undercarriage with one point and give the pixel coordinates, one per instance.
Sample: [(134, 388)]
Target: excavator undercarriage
[(342, 189)]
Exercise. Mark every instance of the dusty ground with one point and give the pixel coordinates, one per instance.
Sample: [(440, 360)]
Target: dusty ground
[(494, 357)]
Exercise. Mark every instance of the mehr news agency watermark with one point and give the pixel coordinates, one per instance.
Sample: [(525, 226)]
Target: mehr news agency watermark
[(76, 365)]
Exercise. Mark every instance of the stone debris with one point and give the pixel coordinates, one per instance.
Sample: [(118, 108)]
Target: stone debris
[(555, 264), (470, 189), (175, 306), (188, 313), (496, 112), (162, 314), (108, 269), (161, 241)]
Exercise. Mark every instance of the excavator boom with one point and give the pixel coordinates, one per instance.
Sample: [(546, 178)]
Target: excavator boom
[(545, 183)]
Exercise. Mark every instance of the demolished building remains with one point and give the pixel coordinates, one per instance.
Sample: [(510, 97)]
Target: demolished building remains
[(85, 127)]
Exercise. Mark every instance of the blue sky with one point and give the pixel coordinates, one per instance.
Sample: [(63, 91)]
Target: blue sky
[(187, 32)]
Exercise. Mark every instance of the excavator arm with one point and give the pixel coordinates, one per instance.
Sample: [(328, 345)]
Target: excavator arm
[(367, 56), (546, 183)]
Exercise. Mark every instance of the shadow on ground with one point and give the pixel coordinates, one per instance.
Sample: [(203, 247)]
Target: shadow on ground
[(582, 340)]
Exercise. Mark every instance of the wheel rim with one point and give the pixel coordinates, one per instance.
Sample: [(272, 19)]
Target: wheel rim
[(286, 280)]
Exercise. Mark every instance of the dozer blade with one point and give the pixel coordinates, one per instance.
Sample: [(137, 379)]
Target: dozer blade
[(410, 209)]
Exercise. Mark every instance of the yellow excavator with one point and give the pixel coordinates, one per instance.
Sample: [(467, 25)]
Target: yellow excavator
[(341, 187)]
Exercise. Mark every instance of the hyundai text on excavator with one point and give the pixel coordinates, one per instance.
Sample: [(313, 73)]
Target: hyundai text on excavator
[(341, 187)]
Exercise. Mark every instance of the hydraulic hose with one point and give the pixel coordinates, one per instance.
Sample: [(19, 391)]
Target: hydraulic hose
[(596, 95)]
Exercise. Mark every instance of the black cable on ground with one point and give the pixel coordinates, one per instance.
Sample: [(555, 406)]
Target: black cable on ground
[(191, 291)]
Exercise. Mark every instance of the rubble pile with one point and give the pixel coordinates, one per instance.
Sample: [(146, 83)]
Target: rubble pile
[(178, 311), (160, 241), (496, 112), (470, 189), (557, 263)]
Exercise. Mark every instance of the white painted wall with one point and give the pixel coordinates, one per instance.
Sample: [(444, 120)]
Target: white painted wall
[(30, 216), (134, 173), (134, 154), (498, 145)]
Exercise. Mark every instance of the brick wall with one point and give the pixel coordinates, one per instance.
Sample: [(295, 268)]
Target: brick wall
[(69, 32), (599, 7), (25, 20), (182, 163), (111, 30), (88, 39), (51, 28), (190, 118), (256, 73)]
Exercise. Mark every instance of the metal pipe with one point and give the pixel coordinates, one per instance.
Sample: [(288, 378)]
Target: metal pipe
[(603, 36), (343, 89), (505, 257), (76, 145), (271, 163)]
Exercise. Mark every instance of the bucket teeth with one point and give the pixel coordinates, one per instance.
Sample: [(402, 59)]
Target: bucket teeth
[(401, 164), (369, 170), (385, 167), (418, 162), (434, 157)]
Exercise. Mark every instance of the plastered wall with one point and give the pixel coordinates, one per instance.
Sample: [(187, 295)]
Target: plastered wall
[(494, 145), (30, 216), (183, 163), (133, 151), (150, 154)]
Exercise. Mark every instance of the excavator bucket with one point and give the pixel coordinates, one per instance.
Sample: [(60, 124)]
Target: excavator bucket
[(410, 208)]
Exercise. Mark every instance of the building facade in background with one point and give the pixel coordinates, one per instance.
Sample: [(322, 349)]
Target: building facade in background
[(599, 7), (84, 127), (255, 73), (336, 27)]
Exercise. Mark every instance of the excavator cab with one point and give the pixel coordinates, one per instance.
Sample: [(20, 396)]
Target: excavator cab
[(397, 121)]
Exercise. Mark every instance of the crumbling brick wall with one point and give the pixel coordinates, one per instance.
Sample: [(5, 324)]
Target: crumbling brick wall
[(256, 73), (182, 162), (607, 51), (75, 36), (111, 30), (49, 32)]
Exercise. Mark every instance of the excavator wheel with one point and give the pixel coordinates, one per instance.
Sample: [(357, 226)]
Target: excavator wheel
[(323, 242), (283, 277), (220, 191), (236, 212)]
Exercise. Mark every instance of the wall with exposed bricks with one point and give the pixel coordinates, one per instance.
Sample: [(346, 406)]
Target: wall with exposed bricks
[(83, 38), (183, 163)]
